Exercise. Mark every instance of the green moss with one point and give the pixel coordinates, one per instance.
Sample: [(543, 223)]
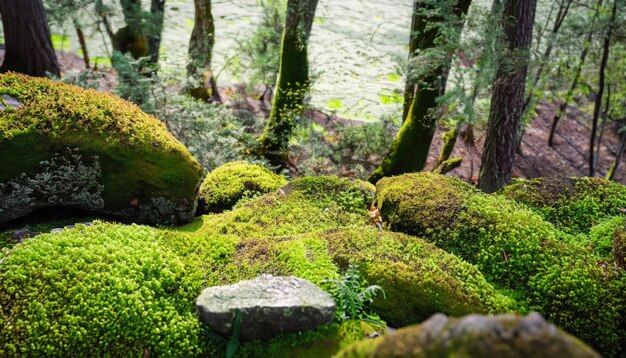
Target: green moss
[(226, 185), (418, 278), (601, 236), (310, 204), (138, 158), (574, 204), (514, 248), (96, 290), (440, 201)]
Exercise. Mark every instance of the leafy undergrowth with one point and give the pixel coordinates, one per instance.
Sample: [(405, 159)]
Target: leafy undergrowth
[(111, 288)]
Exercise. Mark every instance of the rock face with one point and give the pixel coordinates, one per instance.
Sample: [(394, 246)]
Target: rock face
[(62, 146), (269, 306), (505, 336)]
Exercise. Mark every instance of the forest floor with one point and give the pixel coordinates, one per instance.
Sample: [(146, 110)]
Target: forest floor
[(568, 156)]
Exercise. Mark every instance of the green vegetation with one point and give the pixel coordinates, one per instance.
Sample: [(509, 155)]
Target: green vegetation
[(137, 157), (573, 205), (226, 185), (146, 280), (514, 248)]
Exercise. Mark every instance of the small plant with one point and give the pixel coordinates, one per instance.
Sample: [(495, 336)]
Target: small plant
[(352, 295)]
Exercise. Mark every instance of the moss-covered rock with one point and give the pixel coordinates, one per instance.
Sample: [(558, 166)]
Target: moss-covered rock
[(65, 146), (223, 187), (505, 336), (572, 204), (418, 278), (514, 248)]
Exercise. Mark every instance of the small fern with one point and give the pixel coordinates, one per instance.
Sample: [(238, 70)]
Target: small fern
[(352, 295)]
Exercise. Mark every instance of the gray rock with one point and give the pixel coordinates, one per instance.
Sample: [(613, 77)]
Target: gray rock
[(503, 336), (269, 306), (10, 102), (22, 234), (55, 230)]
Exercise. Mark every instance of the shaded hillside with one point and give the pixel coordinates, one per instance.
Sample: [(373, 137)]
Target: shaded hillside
[(567, 158)]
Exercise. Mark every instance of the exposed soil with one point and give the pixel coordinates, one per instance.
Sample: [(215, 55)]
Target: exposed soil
[(568, 156)]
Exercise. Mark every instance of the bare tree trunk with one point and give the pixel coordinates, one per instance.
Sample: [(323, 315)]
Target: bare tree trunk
[(601, 81), (28, 48), (293, 81), (618, 158), (83, 44), (200, 53), (570, 92), (507, 101), (605, 115)]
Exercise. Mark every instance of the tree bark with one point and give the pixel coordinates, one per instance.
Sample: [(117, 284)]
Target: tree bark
[(28, 48), (618, 158), (507, 101), (200, 53), (409, 151), (131, 38), (83, 44), (410, 86), (157, 10), (292, 84), (601, 84)]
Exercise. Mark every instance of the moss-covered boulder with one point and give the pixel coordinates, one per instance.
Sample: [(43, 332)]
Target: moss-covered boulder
[(515, 248), (572, 204), (505, 336), (418, 278), (63, 146), (223, 187)]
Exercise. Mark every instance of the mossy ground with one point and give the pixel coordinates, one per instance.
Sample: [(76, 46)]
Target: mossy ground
[(141, 282), (111, 287), (138, 157)]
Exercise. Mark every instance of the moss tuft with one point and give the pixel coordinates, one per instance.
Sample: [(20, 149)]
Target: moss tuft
[(138, 157), (226, 185), (440, 201)]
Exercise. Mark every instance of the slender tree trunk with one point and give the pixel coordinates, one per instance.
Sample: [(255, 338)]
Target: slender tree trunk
[(157, 10), (601, 85), (507, 101), (570, 92), (293, 81), (605, 115), (200, 53), (131, 38), (618, 158), (410, 86), (409, 151), (564, 7), (83, 44), (28, 48)]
